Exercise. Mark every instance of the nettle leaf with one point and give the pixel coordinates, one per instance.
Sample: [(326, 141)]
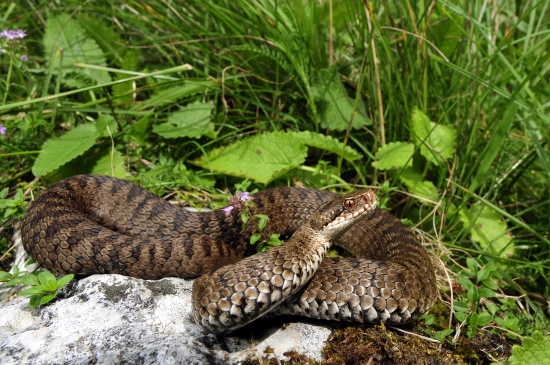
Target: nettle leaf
[(193, 120), (394, 155), (534, 350), (58, 151), (488, 229), (262, 157), (62, 32), (334, 105), (327, 143), (414, 181), (436, 141)]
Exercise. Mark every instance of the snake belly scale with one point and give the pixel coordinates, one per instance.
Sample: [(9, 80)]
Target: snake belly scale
[(92, 224)]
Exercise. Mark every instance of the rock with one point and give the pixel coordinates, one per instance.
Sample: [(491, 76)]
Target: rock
[(112, 319)]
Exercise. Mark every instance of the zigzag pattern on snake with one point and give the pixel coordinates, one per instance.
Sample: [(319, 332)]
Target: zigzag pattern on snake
[(99, 224)]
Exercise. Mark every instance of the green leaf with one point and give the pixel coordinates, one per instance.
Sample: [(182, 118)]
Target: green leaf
[(440, 335), (58, 151), (129, 63), (46, 298), (47, 279), (534, 350), (4, 276), (254, 238), (484, 319), (30, 280), (39, 289), (460, 306), (105, 125), (274, 240), (262, 157), (436, 141), (262, 221), (335, 107), (461, 316), (472, 265), (446, 30), (327, 143), (64, 280), (483, 274), (63, 32), (488, 229), (35, 300), (109, 163), (414, 181), (394, 155), (486, 293), (489, 283), (193, 120)]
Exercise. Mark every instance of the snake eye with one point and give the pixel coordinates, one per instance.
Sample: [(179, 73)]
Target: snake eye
[(349, 204)]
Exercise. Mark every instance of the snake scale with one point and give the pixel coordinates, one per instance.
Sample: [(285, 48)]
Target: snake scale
[(92, 224)]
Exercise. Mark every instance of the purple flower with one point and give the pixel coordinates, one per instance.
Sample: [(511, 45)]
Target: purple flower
[(2, 129), (227, 210), (24, 58), (2, 51), (245, 195), (13, 34), (132, 144), (20, 33)]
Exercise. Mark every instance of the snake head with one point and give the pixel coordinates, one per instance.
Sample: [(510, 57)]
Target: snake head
[(337, 216)]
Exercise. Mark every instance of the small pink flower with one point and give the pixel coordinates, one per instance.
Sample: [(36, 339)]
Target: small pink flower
[(2, 129), (245, 195), (132, 144), (24, 58), (227, 210)]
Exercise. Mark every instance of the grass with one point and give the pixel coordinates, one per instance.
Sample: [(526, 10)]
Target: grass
[(463, 85)]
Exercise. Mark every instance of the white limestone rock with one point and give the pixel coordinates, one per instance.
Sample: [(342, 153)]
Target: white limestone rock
[(112, 319)]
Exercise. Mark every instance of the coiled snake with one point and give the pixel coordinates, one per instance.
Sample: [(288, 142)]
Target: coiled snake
[(99, 224)]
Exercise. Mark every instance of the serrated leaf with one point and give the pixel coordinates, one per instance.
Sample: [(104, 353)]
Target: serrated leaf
[(436, 141), (327, 143), (262, 157), (58, 151), (394, 155), (488, 229), (63, 32), (334, 106), (534, 350), (417, 185), (193, 120)]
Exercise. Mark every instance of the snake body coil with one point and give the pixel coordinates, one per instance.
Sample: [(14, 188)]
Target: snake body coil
[(98, 224)]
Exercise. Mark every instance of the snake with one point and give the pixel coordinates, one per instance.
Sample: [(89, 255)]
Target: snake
[(97, 224)]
